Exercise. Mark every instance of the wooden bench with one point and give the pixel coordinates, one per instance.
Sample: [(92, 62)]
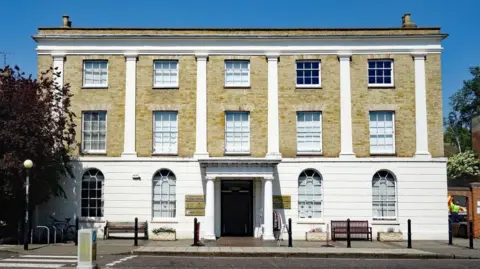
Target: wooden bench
[(359, 229), (125, 227)]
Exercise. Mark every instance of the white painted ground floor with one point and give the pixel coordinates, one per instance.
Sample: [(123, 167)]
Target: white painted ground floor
[(238, 196)]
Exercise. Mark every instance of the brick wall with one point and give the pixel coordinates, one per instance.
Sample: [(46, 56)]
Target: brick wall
[(326, 100), (221, 99), (473, 194), (111, 99), (181, 99)]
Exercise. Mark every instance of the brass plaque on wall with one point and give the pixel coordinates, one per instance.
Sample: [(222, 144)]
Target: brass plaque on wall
[(194, 205), (195, 212), (282, 202)]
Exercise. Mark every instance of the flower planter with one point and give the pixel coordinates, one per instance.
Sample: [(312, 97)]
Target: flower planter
[(164, 236), (315, 236), (390, 237)]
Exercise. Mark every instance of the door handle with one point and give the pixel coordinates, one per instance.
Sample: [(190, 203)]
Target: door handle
[(245, 228), (224, 228)]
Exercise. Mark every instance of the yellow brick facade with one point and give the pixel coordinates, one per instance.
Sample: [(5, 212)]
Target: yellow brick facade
[(110, 99), (252, 99), (326, 100), (181, 99), (401, 99)]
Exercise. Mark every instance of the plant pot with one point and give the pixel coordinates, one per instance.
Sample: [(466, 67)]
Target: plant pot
[(390, 237), (164, 236), (316, 236)]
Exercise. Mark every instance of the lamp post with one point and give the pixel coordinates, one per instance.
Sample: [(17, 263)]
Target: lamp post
[(27, 164)]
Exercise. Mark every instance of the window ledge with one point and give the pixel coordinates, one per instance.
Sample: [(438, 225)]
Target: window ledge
[(383, 154), (91, 220), (310, 221), (94, 152), (308, 87), (166, 87), (309, 153), (237, 153), (164, 154), (237, 86), (159, 220), (385, 222), (379, 86), (94, 87)]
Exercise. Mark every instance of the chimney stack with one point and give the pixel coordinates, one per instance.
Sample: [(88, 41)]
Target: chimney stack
[(407, 23), (66, 22)]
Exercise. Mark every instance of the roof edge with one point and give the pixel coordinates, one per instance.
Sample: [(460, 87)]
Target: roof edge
[(241, 28)]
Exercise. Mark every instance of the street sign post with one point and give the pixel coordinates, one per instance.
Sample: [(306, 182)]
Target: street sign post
[(87, 249)]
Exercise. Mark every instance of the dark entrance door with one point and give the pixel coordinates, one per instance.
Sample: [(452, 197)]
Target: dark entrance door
[(237, 208)]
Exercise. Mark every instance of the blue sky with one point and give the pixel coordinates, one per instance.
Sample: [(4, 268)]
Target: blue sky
[(459, 18)]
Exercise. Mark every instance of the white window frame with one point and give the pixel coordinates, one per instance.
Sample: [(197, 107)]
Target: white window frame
[(380, 85), (382, 201), (160, 175), (173, 151), (393, 133), (312, 196), (102, 195), (83, 133), (169, 85), (319, 85), (233, 84), (85, 85), (242, 151), (310, 151)]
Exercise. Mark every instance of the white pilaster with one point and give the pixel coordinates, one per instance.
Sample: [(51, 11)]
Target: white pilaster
[(201, 112), (58, 63), (273, 129), (210, 209), (346, 141), (130, 88), (268, 209), (421, 131)]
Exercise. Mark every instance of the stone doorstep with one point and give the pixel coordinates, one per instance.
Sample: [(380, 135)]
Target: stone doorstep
[(302, 252)]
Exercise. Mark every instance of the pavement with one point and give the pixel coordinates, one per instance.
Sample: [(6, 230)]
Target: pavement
[(122, 254)]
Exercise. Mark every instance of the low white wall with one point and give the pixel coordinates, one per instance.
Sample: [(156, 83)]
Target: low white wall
[(347, 193)]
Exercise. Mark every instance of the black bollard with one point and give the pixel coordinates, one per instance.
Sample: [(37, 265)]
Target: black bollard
[(349, 244), (195, 232), (290, 244), (136, 233), (409, 233), (470, 234), (76, 231), (450, 233)]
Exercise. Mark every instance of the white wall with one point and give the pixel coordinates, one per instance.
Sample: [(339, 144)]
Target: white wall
[(421, 189)]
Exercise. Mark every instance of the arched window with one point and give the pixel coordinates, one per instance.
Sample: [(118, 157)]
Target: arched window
[(92, 193), (309, 194), (164, 198), (384, 195)]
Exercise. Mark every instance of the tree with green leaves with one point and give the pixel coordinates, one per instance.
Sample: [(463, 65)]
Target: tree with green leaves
[(465, 105), (36, 123)]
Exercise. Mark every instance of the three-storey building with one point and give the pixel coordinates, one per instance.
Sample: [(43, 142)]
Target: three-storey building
[(232, 125)]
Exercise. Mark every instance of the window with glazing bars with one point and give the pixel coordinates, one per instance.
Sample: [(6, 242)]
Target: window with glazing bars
[(384, 195), (382, 132), (309, 194), (94, 132), (92, 193), (165, 73), (380, 72), (95, 73), (237, 73), (165, 132), (237, 132), (164, 194), (308, 73), (309, 132)]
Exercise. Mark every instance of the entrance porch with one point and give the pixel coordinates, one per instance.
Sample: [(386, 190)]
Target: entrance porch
[(238, 197)]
